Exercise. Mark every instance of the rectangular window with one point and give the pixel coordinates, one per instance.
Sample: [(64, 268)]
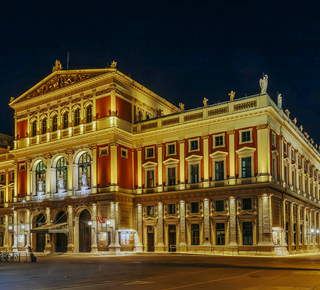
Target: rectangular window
[(12, 176), (285, 147), (299, 160), (246, 204), (1, 220), (150, 178), (149, 152), (286, 173), (292, 153), (220, 233), (219, 170), (171, 176), (194, 173), (194, 145), (245, 136), (1, 239), (124, 153), (218, 141), (195, 237), (194, 207), (293, 178), (274, 168), (246, 167), (2, 177), (300, 181), (220, 205), (274, 139), (171, 208), (171, 149), (2, 197), (150, 210)]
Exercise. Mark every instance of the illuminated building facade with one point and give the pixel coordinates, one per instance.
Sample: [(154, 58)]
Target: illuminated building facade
[(94, 145)]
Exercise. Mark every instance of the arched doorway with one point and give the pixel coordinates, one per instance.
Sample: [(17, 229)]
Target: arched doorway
[(61, 239), (40, 237), (84, 232)]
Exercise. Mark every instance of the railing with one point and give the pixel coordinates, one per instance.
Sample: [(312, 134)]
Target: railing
[(6, 256), (204, 250)]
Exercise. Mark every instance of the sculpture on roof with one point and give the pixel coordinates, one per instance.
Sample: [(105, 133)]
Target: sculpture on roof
[(287, 112), (279, 101), (181, 105), (307, 135), (113, 64), (294, 121), (232, 95), (312, 141), (264, 84), (205, 102), (57, 66), (301, 128)]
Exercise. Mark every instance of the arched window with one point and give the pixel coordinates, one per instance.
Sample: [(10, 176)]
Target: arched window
[(44, 125), (54, 123), (62, 171), (34, 128), (89, 114), (77, 117), (84, 168), (65, 120), (41, 176)]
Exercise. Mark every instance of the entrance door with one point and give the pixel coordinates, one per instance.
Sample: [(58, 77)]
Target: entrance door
[(172, 238), (62, 243), (84, 232), (40, 242), (150, 230), (247, 233)]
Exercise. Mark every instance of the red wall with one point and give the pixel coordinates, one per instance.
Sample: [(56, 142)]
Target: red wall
[(22, 128), (123, 109), (103, 107), (22, 181), (104, 170), (124, 168)]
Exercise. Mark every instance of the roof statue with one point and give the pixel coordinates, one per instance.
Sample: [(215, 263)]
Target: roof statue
[(301, 128), (264, 84), (113, 64), (287, 112), (279, 101), (57, 66), (205, 102), (312, 141), (181, 105), (294, 121), (232, 95), (307, 135)]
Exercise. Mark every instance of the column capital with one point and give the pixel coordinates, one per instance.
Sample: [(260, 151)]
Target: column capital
[(231, 132)]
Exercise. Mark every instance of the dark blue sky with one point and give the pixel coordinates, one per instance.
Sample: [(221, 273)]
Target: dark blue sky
[(181, 50)]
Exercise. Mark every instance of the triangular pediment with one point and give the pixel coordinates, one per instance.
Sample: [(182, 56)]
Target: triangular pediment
[(171, 161), (194, 158), (58, 80), (149, 164)]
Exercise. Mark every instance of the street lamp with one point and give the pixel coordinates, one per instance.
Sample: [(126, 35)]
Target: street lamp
[(89, 223)]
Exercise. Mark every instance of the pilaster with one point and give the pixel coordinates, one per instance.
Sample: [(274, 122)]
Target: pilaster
[(206, 222), (232, 222), (160, 159), (205, 140), (264, 150), (232, 164), (70, 236), (182, 184), (160, 246), (182, 223)]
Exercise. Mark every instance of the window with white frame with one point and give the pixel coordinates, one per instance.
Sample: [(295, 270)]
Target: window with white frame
[(219, 170), (149, 152), (285, 147), (194, 144), (124, 153), (246, 164), (274, 139), (194, 173), (171, 148), (150, 178), (245, 136), (171, 176), (218, 140), (246, 170)]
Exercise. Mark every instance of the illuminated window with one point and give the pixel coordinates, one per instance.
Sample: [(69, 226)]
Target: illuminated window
[(84, 169), (89, 114), (292, 153), (246, 167), (65, 120), (62, 171), (44, 125), (77, 117), (34, 128), (220, 233), (54, 123), (150, 178), (41, 175)]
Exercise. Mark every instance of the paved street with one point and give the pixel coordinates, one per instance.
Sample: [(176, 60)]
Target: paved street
[(164, 271)]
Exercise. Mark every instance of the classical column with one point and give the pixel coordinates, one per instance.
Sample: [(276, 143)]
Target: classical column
[(15, 196), (114, 246), (7, 193), (232, 222), (48, 176), (281, 161), (94, 169), (15, 231), (160, 245), (160, 159), (283, 219), (305, 229), (206, 182), (182, 184), (265, 220), (298, 225), (48, 247), (28, 228), (94, 111), (94, 229), (29, 180), (6, 232), (182, 223), (232, 163), (139, 165), (291, 238), (71, 168), (139, 228), (114, 166), (71, 232), (206, 223), (263, 140)]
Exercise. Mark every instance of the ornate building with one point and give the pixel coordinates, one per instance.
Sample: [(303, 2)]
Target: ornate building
[(101, 163)]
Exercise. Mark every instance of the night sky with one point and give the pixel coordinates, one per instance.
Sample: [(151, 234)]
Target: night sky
[(181, 50)]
